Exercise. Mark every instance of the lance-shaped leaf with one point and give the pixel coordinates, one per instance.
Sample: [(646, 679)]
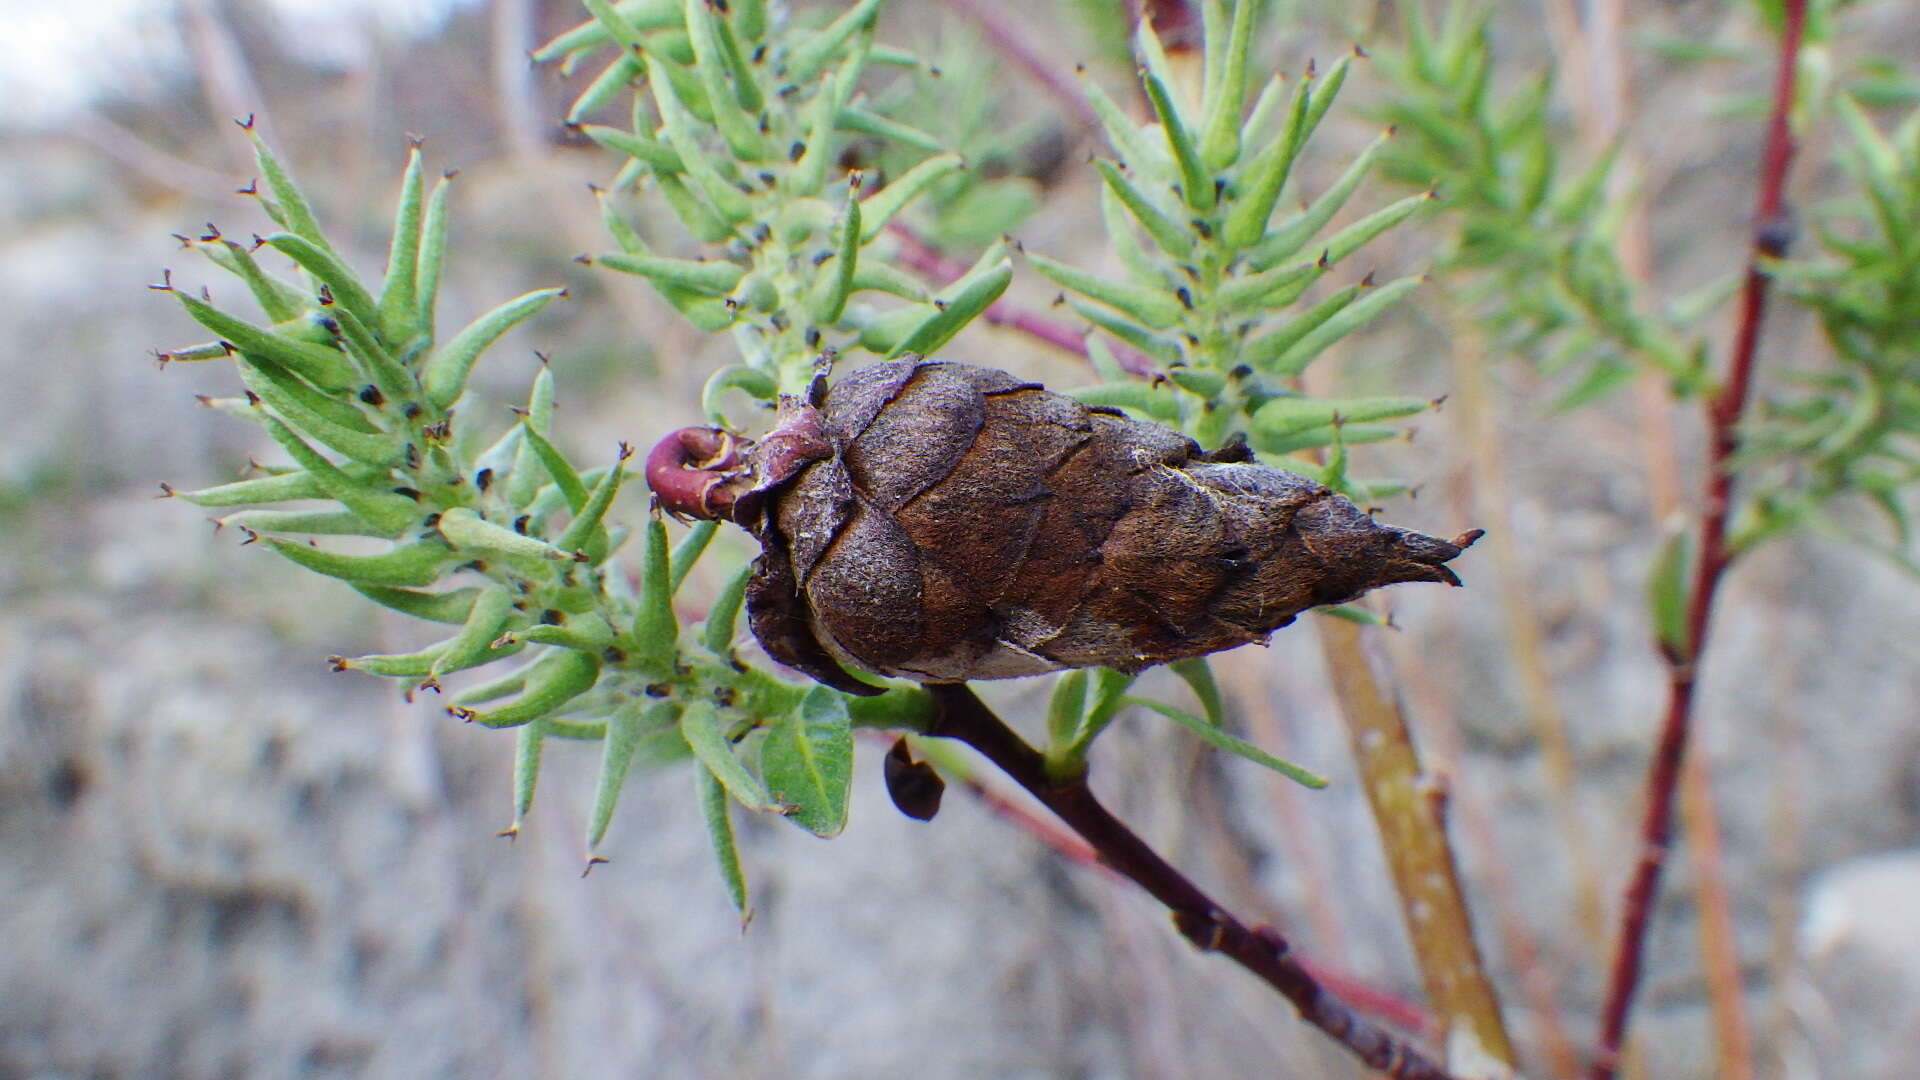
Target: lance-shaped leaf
[(1259, 184), (1220, 140), (1285, 241), (279, 487), (733, 117), (280, 301), (688, 551), (1163, 350), (593, 33), (452, 606), (398, 308), (304, 522), (587, 632), (325, 368), (683, 133), (584, 532), (713, 809), (433, 254), (279, 393), (811, 57), (1289, 415), (807, 760), (717, 635), (445, 374), (329, 270), (1140, 397), (1149, 306), (1122, 134), (1196, 186), (625, 730), (379, 508), (867, 122), (1334, 435), (571, 487), (1360, 233), (1198, 676), (1273, 289), (1173, 237), (468, 532), (879, 208), (655, 630), (833, 288), (710, 278), (1219, 739), (659, 156), (615, 77), (1350, 318), (1066, 707), (473, 645), (528, 743), (294, 212), (965, 300), (872, 276), (700, 725), (528, 471), (555, 679), (1667, 586), (277, 386), (406, 565)]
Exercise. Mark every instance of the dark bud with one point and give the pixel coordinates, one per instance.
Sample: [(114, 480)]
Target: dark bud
[(914, 786), (371, 395)]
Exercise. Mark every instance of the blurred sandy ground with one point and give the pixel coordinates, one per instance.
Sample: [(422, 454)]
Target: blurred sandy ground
[(217, 859)]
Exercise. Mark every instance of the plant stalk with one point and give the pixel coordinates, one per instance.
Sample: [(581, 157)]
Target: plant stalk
[(1724, 411), (965, 718)]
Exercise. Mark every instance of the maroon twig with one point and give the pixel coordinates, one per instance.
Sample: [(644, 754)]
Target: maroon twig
[(923, 258), (1211, 928), (1724, 411)]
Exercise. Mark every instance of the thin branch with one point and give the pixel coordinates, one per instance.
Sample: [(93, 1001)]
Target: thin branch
[(1724, 411), (1408, 811), (965, 718)]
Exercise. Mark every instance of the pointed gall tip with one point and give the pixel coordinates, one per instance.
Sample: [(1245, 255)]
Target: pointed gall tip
[(338, 663), (246, 124), (592, 861)]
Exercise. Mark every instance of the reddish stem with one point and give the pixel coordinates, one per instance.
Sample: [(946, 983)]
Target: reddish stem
[(1210, 927), (1724, 411)]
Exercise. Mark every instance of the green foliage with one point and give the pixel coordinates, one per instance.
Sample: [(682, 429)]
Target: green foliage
[(1851, 430), (1532, 248)]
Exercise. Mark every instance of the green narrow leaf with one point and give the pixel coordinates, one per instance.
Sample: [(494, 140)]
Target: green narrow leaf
[(700, 725), (1258, 188), (398, 308), (280, 487), (564, 477), (1199, 678), (812, 56), (807, 760), (473, 645), (375, 362), (375, 505), (1066, 708), (834, 288), (1195, 185), (445, 374), (656, 155), (331, 271), (1153, 308), (294, 211), (711, 278), (1360, 233), (452, 606), (305, 522), (1125, 138), (555, 679), (323, 367), (624, 731), (718, 635), (683, 129), (296, 408), (734, 119), (1288, 415), (1286, 241), (1667, 594), (1219, 739), (1173, 238), (1348, 319), (433, 254), (280, 301), (655, 631), (585, 528), (469, 532), (1220, 145), (688, 551), (970, 297), (527, 745), (619, 74), (1162, 349), (415, 564), (528, 471), (879, 208), (713, 808)]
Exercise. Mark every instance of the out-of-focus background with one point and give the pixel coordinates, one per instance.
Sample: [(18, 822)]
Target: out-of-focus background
[(218, 859)]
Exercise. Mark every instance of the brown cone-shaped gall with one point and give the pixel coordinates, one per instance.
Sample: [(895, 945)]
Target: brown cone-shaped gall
[(941, 522)]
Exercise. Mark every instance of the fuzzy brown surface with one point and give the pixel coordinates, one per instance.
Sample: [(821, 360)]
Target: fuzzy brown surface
[(971, 525)]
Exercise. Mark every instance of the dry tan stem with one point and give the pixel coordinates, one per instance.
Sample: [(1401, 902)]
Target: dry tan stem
[(1413, 834)]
